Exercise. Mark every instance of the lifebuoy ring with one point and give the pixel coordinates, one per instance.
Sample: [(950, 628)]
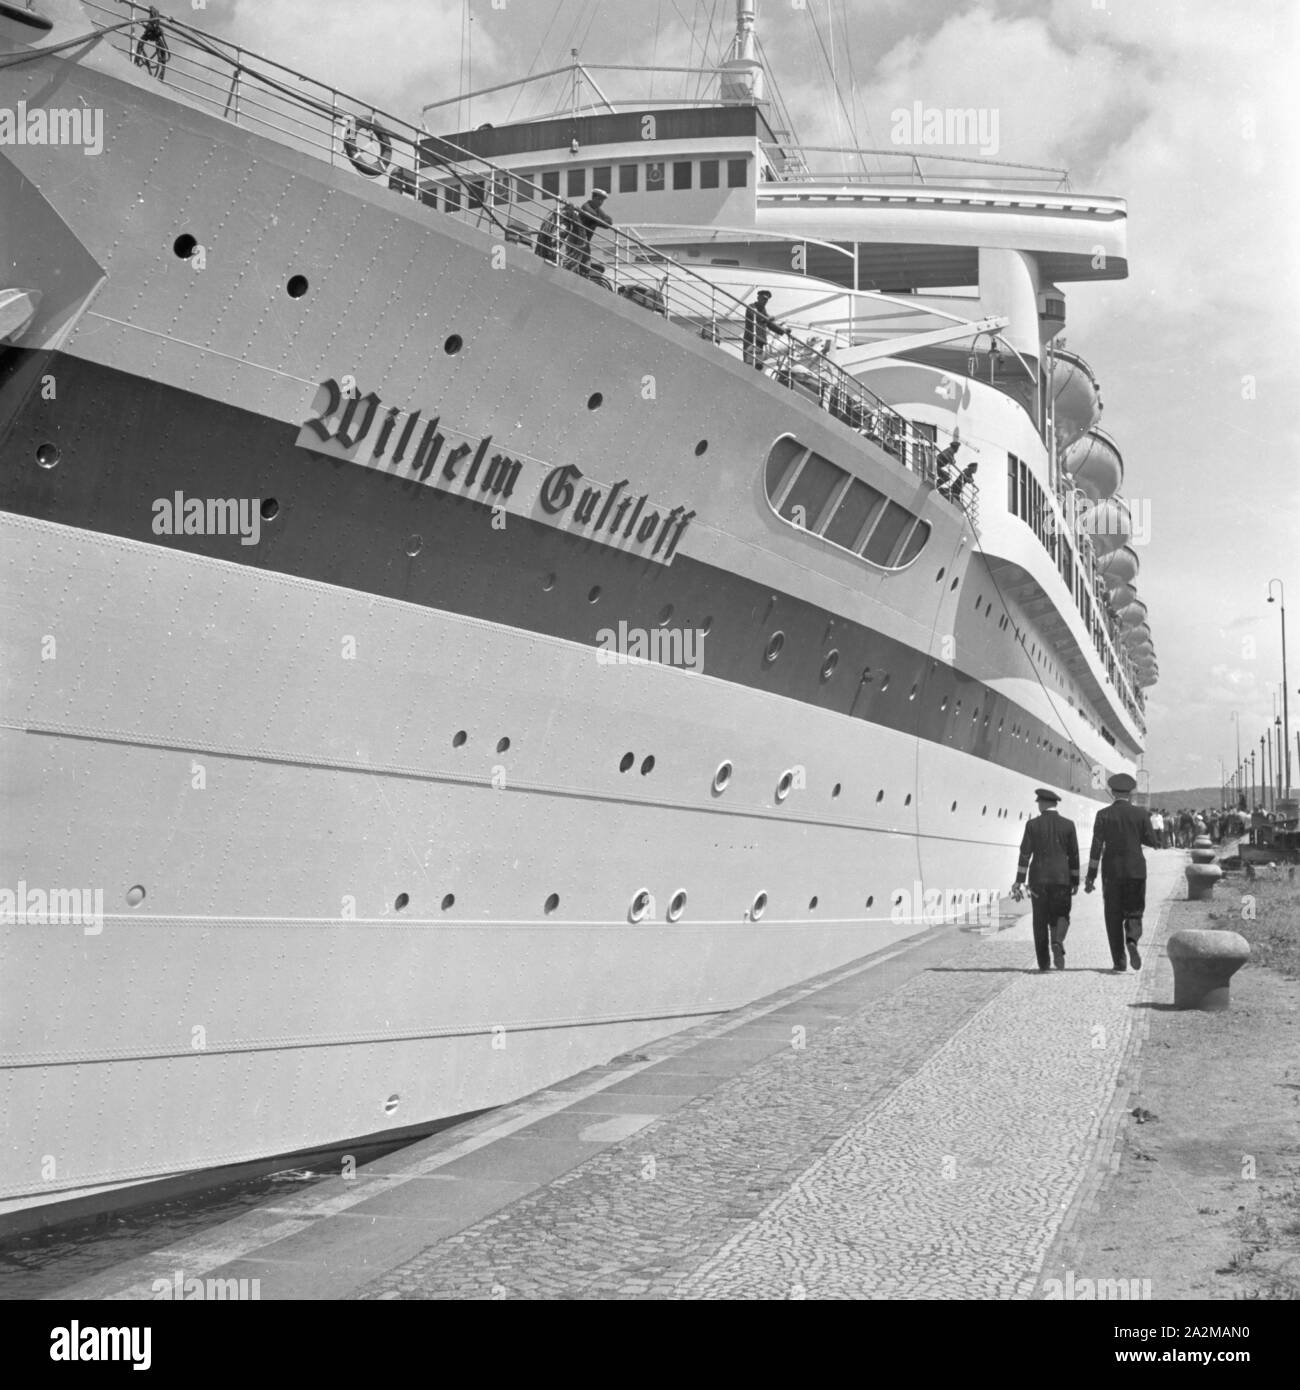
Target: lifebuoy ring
[(358, 161)]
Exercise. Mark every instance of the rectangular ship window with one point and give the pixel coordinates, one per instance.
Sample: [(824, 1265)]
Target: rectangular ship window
[(858, 505), (577, 183), (1012, 480), (915, 541), (889, 531), (709, 170), (682, 174), (524, 188), (654, 178), (602, 176), (736, 173), (627, 178), (817, 480), (551, 182)]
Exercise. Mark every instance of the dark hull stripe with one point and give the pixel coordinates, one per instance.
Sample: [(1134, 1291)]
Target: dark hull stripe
[(125, 442)]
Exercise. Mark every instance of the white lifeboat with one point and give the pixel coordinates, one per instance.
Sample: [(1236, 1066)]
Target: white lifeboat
[(1119, 566), (1131, 614), (1136, 637), (1094, 463), (1110, 525), (1076, 398)]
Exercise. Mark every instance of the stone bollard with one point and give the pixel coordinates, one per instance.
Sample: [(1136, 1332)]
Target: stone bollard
[(1201, 879), (1204, 962)]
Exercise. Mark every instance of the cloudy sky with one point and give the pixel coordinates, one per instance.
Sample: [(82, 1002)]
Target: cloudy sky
[(1182, 107)]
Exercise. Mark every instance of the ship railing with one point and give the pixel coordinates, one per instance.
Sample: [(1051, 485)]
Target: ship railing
[(906, 166), (259, 94)]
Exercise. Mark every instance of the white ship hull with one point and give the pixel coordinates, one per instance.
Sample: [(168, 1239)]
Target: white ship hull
[(326, 915)]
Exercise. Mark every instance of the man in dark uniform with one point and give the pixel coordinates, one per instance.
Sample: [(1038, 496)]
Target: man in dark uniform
[(1049, 856), (1118, 834), (758, 324)]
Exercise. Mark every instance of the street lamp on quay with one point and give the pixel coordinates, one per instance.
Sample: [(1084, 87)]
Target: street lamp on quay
[(1286, 730), (1250, 805), (1241, 766)]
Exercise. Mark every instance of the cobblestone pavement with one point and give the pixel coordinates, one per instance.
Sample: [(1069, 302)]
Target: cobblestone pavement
[(926, 1146)]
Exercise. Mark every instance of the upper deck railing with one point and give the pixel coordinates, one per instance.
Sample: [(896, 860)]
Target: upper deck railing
[(904, 166), (262, 95)]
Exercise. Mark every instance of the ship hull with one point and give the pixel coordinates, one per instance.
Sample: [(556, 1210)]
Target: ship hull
[(378, 835)]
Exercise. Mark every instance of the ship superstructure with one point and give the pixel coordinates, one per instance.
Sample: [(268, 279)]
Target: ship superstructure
[(451, 651)]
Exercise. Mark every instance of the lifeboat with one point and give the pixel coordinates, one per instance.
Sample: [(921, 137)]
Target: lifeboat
[(1076, 398), (1094, 464), (1109, 523), (1131, 614), (1121, 596), (1134, 637), (1120, 566)]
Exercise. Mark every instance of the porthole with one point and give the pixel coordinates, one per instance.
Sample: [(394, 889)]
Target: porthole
[(503, 745), (829, 665), (812, 903), (952, 586), (984, 810), (706, 626), (185, 245), (270, 509), (943, 704), (835, 790), (759, 907), (722, 777), (453, 345), (135, 896), (912, 696), (48, 455), (677, 905), (401, 901), (939, 576), (626, 761), (297, 286), (414, 544), (953, 807), (391, 1104), (448, 902), (774, 645), (548, 583), (552, 903), (884, 684), (701, 448), (641, 904), (871, 900), (593, 594), (880, 796), (595, 401), (458, 738), (784, 785), (907, 800), (648, 765), (665, 613)]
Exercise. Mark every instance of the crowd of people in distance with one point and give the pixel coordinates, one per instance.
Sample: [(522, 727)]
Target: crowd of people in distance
[(1178, 829)]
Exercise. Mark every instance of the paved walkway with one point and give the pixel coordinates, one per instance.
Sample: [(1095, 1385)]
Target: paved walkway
[(915, 1127)]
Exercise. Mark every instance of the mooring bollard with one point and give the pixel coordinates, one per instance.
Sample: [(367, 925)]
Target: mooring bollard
[(1203, 854), (1201, 879), (1204, 962)]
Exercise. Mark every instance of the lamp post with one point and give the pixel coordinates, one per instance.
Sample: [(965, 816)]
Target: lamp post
[(1250, 805), (1267, 741), (1286, 731), (1223, 786)]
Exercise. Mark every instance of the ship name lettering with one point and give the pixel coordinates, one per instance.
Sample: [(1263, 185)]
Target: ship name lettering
[(359, 429)]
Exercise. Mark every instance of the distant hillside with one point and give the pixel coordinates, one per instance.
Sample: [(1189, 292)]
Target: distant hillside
[(1188, 797)]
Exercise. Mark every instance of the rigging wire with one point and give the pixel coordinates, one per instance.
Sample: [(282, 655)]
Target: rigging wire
[(839, 95), (537, 57), (859, 107)]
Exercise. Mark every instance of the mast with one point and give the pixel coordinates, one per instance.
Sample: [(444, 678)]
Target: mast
[(740, 72)]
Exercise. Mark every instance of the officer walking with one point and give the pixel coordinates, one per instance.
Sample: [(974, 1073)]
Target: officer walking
[(1118, 834), (1049, 857)]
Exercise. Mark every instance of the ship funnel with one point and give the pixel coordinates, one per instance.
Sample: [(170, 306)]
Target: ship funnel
[(741, 73)]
